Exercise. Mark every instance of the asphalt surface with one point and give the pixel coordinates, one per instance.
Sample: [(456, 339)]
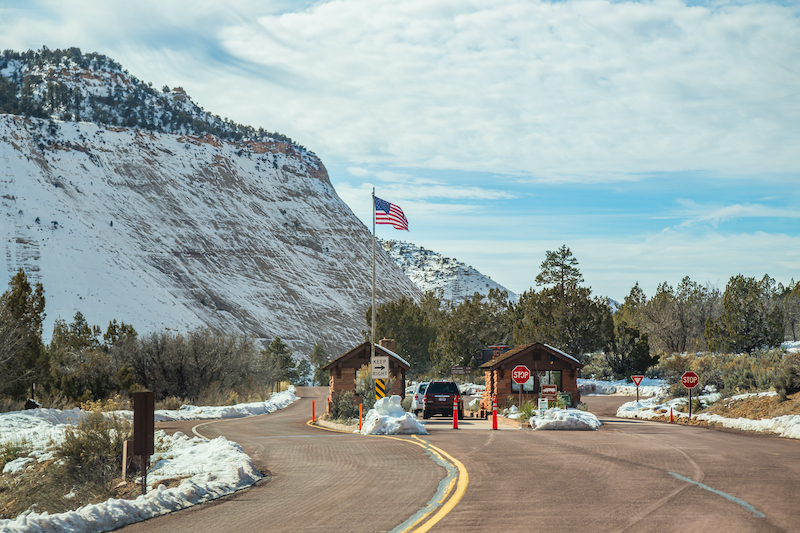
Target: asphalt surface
[(628, 476)]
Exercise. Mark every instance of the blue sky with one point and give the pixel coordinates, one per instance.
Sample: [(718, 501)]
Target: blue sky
[(655, 139)]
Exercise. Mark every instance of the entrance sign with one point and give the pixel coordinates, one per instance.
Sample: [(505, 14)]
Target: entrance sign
[(460, 370), (380, 367), (520, 374)]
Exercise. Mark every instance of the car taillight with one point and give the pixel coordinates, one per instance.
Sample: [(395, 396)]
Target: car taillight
[(425, 398), (416, 397)]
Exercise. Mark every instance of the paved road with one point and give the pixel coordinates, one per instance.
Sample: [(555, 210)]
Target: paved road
[(319, 481), (622, 478), (628, 476)]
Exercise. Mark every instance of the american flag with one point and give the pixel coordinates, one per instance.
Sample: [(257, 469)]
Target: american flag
[(386, 213)]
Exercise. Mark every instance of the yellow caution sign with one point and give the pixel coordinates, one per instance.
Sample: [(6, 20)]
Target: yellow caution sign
[(380, 389)]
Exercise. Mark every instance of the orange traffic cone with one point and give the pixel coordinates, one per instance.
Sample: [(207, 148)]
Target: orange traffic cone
[(671, 417)]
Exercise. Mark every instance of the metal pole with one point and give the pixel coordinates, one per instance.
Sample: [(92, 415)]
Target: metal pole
[(374, 312), (690, 403)]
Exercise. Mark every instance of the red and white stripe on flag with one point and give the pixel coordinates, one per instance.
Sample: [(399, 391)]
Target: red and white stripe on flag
[(388, 213)]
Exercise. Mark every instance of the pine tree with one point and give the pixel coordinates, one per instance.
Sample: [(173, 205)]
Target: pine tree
[(24, 306), (559, 268)]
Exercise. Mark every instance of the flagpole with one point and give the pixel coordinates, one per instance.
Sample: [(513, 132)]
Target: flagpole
[(372, 353)]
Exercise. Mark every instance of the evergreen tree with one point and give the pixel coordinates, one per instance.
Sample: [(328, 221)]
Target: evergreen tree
[(560, 269), (279, 352), (304, 372), (746, 323), (319, 358), (405, 322), (24, 310)]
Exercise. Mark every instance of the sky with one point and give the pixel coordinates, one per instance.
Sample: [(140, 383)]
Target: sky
[(656, 139)]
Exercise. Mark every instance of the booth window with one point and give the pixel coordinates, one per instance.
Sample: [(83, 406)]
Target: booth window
[(528, 386)]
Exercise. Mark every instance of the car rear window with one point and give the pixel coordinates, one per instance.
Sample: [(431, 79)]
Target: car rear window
[(444, 387), (422, 387)]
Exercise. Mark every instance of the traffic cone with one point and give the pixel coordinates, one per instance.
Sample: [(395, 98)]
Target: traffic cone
[(455, 412), (671, 417)]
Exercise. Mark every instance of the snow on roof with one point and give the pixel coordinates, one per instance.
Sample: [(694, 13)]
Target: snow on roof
[(389, 352), (562, 353)]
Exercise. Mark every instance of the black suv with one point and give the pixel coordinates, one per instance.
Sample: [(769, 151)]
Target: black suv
[(439, 398)]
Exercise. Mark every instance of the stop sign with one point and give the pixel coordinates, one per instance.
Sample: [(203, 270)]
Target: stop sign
[(690, 380), (520, 374)]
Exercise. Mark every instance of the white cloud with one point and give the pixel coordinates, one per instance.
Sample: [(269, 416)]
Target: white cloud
[(697, 213), (580, 90), (612, 265)]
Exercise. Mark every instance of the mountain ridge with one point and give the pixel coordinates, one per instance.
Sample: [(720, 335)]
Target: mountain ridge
[(179, 230)]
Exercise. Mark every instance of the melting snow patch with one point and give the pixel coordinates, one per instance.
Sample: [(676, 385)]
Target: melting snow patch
[(556, 418), (622, 387), (784, 426), (388, 418), (217, 468)]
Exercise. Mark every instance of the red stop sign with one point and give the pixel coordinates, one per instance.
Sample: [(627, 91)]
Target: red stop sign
[(520, 374), (690, 380)]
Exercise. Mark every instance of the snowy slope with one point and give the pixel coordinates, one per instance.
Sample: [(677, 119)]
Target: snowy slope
[(175, 231), (429, 271)]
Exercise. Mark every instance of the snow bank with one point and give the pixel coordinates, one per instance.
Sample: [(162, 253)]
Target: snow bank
[(214, 468), (622, 387), (784, 426), (217, 468), (277, 401), (388, 418), (575, 419)]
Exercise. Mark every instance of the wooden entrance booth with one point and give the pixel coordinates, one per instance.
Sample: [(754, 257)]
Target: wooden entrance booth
[(343, 370), (547, 364)]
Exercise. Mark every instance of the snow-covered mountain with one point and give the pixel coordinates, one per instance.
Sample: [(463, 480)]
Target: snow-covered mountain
[(178, 229), (430, 270)]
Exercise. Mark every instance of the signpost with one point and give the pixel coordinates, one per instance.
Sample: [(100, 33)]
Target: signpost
[(460, 370), (380, 373), (380, 367), (542, 406), (690, 380), (144, 429), (637, 380), (520, 375)]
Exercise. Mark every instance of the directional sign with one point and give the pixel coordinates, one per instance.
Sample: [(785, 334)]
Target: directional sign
[(380, 367), (520, 374), (637, 379), (690, 380)]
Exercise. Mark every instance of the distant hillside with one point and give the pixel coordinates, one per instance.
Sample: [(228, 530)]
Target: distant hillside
[(430, 270), (138, 214)]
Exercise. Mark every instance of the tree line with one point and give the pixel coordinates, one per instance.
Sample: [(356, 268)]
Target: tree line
[(83, 363), (434, 335)]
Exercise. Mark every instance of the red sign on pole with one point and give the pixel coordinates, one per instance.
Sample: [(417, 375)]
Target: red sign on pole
[(520, 374), (690, 380), (637, 379)]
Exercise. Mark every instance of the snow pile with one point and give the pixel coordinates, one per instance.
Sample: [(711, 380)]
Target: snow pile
[(575, 419), (388, 418), (623, 387), (784, 426), (217, 468), (471, 389), (191, 412), (792, 346), (512, 412), (213, 468)]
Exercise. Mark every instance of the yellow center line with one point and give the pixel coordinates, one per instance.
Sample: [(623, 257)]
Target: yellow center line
[(454, 497)]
